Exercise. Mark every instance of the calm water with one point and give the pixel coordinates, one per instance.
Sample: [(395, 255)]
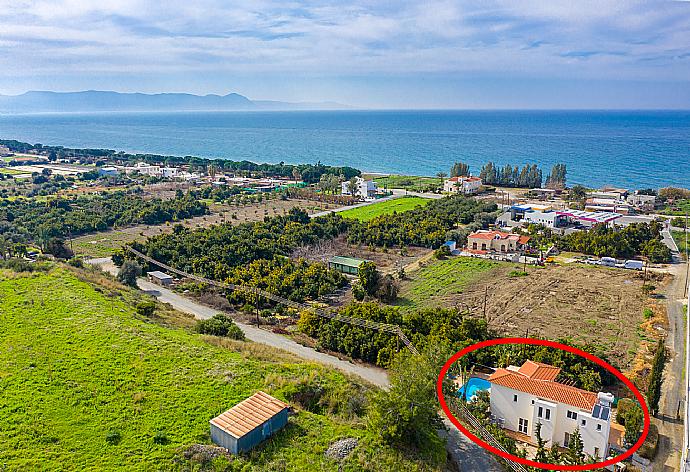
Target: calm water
[(632, 149)]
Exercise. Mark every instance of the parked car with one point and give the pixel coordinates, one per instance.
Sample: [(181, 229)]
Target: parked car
[(608, 261), (633, 264)]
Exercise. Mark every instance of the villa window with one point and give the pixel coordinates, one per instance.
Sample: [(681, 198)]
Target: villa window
[(598, 427), (474, 245), (566, 440), (515, 398), (548, 414), (596, 452), (584, 423), (522, 425), (572, 415), (503, 248), (540, 413)]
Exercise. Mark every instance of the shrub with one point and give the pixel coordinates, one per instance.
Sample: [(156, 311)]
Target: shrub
[(146, 308), (128, 273), (442, 253), (358, 292), (113, 437), (160, 438), (651, 444), (387, 290), (220, 325), (647, 313)]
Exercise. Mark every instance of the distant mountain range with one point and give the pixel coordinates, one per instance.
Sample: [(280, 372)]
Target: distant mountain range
[(94, 100)]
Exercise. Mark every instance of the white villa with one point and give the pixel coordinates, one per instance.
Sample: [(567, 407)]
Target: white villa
[(523, 396), (462, 184), (365, 188)]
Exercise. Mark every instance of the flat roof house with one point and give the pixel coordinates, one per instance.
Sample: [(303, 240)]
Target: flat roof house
[(160, 278), (521, 397), (346, 265), (248, 423)]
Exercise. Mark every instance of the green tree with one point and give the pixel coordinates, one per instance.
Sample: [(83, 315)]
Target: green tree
[(541, 455), (459, 169), (407, 413), (576, 453), (634, 419), (128, 273), (656, 378), (369, 277)]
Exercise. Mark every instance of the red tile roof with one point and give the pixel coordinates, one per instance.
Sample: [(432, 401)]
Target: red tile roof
[(248, 414), (540, 383), (539, 371)]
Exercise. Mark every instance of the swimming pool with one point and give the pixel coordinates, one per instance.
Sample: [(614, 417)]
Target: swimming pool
[(473, 385)]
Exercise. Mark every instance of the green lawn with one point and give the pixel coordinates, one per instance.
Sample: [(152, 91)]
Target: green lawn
[(368, 212), (441, 278), (409, 182), (77, 363)]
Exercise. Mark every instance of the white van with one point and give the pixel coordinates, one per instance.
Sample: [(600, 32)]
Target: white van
[(608, 261), (632, 264)]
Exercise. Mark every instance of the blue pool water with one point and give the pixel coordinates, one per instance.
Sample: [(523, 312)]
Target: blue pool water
[(473, 386)]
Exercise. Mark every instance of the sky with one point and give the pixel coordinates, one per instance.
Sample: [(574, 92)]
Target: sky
[(368, 53)]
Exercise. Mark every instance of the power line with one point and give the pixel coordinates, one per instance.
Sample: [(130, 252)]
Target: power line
[(383, 327)]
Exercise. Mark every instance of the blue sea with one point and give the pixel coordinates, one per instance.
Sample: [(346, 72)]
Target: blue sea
[(634, 149)]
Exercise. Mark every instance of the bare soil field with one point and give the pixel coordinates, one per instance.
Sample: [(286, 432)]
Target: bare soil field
[(594, 305), (105, 243)]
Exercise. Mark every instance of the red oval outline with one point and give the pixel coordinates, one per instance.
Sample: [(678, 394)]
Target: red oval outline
[(543, 342)]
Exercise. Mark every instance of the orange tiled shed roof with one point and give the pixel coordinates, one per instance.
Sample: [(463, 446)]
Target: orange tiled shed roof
[(248, 414), (539, 371), (541, 384)]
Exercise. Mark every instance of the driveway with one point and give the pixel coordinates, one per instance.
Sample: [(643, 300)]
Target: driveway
[(467, 455)]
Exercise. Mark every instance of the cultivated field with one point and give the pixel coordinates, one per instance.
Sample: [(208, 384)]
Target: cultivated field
[(594, 305), (409, 182), (368, 212), (436, 283), (87, 384), (106, 243)]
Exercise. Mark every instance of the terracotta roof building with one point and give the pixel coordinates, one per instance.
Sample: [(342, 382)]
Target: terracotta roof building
[(249, 422), (484, 241), (522, 397)]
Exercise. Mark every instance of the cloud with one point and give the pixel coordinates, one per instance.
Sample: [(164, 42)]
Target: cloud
[(600, 39)]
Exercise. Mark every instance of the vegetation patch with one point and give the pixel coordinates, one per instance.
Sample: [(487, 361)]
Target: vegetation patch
[(369, 212), (432, 284), (86, 383)]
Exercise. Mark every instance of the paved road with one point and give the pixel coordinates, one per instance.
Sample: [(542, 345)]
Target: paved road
[(468, 456), (673, 397)]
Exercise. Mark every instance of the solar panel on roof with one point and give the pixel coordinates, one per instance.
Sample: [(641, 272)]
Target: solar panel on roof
[(605, 413), (597, 411)]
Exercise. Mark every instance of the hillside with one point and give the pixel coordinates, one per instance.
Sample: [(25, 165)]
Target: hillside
[(80, 367), (98, 101)]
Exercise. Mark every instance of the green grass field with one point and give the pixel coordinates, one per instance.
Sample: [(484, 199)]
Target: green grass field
[(78, 364), (103, 244), (369, 212), (441, 278), (413, 183)]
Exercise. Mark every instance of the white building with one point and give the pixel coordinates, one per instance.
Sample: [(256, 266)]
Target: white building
[(364, 188), (522, 397), (146, 169), (461, 184), (641, 201), (108, 171)]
